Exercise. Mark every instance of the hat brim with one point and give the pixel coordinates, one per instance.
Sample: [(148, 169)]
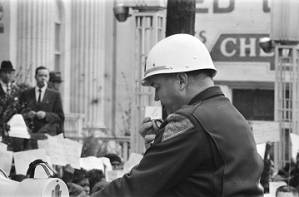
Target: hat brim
[(7, 70)]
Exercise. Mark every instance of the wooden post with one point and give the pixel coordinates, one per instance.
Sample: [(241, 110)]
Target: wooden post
[(180, 17)]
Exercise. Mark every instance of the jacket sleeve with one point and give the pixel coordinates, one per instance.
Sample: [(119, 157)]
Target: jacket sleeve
[(57, 114), (23, 101), (22, 97), (163, 165)]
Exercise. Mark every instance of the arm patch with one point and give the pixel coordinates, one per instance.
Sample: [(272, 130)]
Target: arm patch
[(177, 124)]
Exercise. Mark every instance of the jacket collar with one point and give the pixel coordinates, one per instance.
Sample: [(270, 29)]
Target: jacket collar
[(206, 94)]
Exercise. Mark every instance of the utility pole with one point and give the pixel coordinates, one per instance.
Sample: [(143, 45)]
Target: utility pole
[(180, 17)]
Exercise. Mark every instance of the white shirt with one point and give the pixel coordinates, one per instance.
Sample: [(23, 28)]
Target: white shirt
[(4, 86), (42, 93)]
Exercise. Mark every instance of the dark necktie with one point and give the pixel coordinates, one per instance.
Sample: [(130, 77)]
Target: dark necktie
[(7, 89), (39, 96)]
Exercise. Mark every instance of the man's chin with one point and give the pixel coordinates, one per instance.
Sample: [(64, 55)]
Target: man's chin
[(169, 111), (41, 85)]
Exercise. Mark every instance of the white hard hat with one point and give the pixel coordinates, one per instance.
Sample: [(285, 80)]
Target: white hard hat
[(175, 54)]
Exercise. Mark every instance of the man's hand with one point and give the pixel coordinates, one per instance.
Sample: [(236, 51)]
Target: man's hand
[(147, 131), (40, 114), (31, 114), (149, 138), (146, 127)]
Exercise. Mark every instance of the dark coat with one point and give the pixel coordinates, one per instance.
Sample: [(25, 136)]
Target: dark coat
[(51, 104), (206, 149), (2, 93)]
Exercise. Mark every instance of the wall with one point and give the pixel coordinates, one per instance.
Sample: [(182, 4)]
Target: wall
[(4, 30), (87, 60)]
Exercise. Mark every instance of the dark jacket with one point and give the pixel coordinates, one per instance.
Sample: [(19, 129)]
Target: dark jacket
[(2, 93), (206, 149), (51, 104)]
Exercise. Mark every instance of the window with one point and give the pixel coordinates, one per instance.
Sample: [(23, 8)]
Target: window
[(254, 104)]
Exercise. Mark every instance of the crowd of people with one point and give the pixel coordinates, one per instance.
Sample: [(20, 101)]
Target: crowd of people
[(288, 174), (40, 106)]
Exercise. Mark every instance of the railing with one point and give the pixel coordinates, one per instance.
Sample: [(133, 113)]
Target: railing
[(73, 129), (73, 124), (124, 143)]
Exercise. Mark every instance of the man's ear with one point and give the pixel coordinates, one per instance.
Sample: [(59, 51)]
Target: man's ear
[(183, 80)]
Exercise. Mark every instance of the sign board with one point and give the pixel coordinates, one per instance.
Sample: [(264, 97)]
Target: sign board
[(92, 162), (231, 30), (154, 112), (18, 127), (6, 160), (265, 131), (295, 145), (113, 174), (133, 160), (62, 151), (22, 159)]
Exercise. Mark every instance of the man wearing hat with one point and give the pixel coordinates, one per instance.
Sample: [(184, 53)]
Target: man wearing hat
[(205, 147), (6, 78), (8, 89)]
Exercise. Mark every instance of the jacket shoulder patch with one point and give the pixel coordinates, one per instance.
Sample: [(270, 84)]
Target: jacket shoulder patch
[(177, 124)]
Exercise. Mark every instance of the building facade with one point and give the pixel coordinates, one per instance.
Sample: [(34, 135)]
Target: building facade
[(72, 37)]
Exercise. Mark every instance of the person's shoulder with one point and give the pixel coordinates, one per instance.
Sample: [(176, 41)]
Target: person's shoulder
[(188, 109), (177, 124), (28, 90), (52, 91)]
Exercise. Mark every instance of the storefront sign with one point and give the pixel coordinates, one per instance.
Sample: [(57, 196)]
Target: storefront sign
[(232, 29), (240, 48)]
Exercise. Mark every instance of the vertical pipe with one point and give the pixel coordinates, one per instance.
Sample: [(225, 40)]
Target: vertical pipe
[(114, 77)]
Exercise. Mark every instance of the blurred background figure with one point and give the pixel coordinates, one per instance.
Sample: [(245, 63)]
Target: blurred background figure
[(9, 91), (268, 168), (55, 80), (6, 78), (97, 180), (79, 185), (45, 112), (286, 191), (294, 181), (115, 161)]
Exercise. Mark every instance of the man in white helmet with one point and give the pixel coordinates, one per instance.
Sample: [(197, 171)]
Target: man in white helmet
[(205, 147)]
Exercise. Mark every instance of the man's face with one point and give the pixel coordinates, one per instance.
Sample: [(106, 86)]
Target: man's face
[(85, 184), (167, 92), (42, 77), (7, 76)]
